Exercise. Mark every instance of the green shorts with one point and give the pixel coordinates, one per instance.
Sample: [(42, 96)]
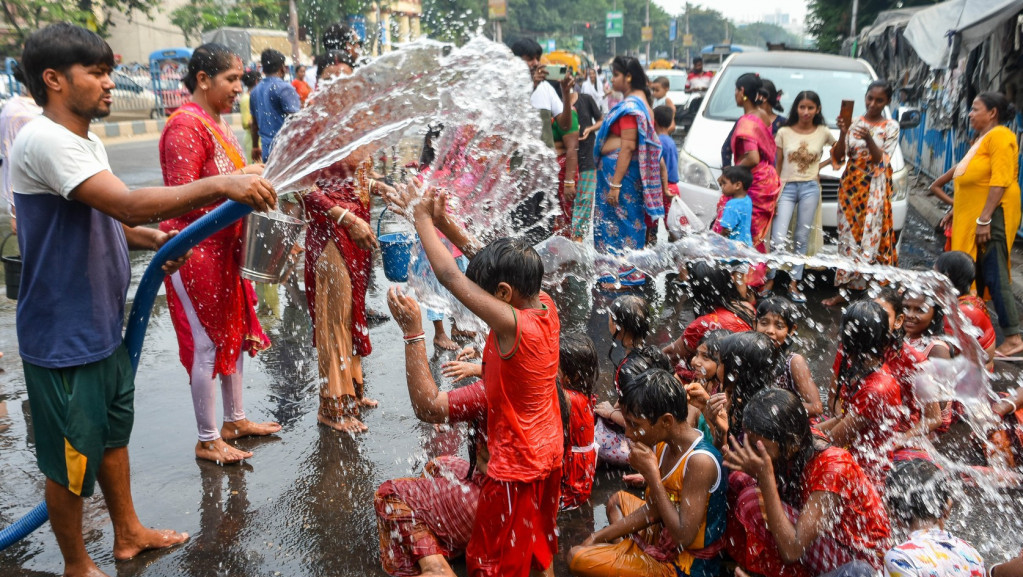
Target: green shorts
[(78, 413)]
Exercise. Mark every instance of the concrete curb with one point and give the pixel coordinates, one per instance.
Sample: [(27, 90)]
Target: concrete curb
[(931, 209), (116, 131)]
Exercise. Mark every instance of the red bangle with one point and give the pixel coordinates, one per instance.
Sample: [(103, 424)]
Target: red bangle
[(407, 338)]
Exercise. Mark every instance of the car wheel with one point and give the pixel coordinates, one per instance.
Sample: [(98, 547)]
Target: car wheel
[(154, 113)]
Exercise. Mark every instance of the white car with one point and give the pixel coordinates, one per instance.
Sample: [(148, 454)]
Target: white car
[(834, 78), (677, 78)]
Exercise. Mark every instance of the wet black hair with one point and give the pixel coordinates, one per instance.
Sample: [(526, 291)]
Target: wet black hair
[(629, 66), (272, 61), (771, 95), (60, 46), (865, 338), (937, 324), (712, 340), (883, 85), (779, 416), (959, 268), (526, 47), (18, 73), (509, 260), (251, 78), (663, 82), (339, 36), (711, 287), (739, 174), (998, 101), (632, 315), (750, 84), (636, 363), (781, 307), (818, 119), (917, 490), (751, 364), (578, 362), (660, 394), (331, 57), (211, 58), (663, 116), (890, 295)]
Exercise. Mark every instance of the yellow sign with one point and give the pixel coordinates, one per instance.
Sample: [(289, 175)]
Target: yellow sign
[(498, 9), (687, 41), (648, 34)]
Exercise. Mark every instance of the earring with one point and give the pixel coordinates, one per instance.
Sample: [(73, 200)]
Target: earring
[(745, 98)]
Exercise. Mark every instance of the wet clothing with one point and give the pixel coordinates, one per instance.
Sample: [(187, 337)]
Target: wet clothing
[(589, 113), (735, 220), (877, 398), (720, 318), (272, 101), (933, 553), (563, 220), (975, 310), (580, 460)]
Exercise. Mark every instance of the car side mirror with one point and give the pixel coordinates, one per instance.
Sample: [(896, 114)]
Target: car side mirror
[(909, 117)]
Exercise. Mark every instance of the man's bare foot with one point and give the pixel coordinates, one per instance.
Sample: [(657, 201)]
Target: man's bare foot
[(243, 428), (220, 452), (1012, 346), (128, 546), (345, 425), (835, 301), (443, 341), (368, 403)]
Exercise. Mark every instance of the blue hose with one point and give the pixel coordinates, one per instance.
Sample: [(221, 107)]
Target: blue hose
[(217, 220)]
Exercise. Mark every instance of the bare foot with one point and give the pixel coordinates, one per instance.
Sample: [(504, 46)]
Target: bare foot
[(128, 546), (457, 333), (220, 452), (345, 425), (237, 429), (368, 403), (835, 301), (435, 565), (1012, 346), (443, 341), (634, 480)]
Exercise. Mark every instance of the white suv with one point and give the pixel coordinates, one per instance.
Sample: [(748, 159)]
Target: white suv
[(834, 78)]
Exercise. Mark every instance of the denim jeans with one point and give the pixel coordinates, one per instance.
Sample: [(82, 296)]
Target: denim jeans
[(800, 198)]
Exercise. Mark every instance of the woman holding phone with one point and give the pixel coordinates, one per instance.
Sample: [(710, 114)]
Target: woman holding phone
[(866, 234)]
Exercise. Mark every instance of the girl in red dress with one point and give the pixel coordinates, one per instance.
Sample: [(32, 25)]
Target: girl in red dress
[(211, 306)]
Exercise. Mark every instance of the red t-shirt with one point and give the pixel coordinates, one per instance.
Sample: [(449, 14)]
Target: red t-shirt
[(721, 318), (976, 311), (863, 525), (468, 403), (524, 430), (878, 399)]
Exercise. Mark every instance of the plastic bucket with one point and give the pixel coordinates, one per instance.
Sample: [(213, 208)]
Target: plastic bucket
[(12, 270), (267, 239), (396, 252)]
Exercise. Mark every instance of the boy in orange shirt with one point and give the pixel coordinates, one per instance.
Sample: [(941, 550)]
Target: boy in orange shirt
[(515, 529)]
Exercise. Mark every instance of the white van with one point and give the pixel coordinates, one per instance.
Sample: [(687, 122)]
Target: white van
[(834, 78)]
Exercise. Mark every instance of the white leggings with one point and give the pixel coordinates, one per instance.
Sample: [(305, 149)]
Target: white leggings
[(204, 387)]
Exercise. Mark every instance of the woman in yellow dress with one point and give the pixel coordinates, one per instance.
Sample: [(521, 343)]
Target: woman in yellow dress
[(986, 209)]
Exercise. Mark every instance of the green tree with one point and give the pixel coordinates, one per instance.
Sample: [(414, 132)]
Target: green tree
[(198, 16), (828, 21), (760, 33), (27, 16)]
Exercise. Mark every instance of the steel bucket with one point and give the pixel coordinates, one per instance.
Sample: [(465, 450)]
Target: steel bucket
[(267, 239)]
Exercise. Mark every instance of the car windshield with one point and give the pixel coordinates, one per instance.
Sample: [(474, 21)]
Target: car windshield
[(677, 78), (832, 86)]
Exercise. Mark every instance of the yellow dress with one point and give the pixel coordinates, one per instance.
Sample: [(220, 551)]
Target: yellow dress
[(992, 161)]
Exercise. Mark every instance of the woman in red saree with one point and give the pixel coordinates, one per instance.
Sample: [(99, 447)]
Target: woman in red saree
[(211, 306), (753, 147), (337, 268)]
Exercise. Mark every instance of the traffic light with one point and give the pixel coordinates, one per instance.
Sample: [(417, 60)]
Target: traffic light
[(587, 25)]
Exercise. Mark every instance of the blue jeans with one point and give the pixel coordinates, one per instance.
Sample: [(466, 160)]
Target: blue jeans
[(800, 198)]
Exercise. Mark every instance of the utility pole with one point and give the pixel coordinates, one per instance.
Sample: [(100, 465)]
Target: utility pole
[(852, 25), (647, 25), (293, 31), (688, 61)]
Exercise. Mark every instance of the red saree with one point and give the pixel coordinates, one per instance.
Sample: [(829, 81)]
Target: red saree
[(752, 134), (193, 146)]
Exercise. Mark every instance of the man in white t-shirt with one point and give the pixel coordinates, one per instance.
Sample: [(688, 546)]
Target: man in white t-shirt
[(544, 97), (76, 223)]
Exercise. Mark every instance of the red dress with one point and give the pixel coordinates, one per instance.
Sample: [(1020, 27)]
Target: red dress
[(878, 399), (192, 146), (581, 454), (352, 193)]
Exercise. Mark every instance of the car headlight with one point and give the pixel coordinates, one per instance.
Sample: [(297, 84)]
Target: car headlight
[(695, 172), (900, 184)]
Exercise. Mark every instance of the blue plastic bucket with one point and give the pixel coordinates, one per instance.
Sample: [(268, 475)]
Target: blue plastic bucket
[(396, 251)]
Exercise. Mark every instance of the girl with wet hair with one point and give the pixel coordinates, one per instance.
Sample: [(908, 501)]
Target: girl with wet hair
[(800, 506), (717, 303), (777, 318), (211, 306), (750, 362), (919, 498), (925, 326), (961, 271), (610, 423), (577, 374), (868, 409)]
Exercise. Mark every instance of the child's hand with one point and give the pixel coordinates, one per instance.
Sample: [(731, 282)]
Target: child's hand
[(402, 198), (604, 410), (458, 370), (716, 412), (754, 461), (698, 395), (468, 352), (405, 311), (644, 460)]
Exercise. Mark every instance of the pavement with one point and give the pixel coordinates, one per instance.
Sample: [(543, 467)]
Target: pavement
[(932, 210)]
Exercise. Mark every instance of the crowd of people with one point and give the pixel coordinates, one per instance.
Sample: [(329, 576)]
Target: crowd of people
[(743, 465)]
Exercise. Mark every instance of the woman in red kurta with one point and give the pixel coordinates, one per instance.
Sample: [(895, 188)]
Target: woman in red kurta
[(211, 306)]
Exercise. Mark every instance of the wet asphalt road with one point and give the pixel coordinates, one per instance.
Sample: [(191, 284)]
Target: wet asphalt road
[(302, 506)]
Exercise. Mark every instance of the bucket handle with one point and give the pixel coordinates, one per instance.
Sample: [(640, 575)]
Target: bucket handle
[(4, 243), (380, 220)]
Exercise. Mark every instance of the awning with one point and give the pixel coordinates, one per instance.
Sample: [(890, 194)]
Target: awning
[(930, 31), (888, 19)]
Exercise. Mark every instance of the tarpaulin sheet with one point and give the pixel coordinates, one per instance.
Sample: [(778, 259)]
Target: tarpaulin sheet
[(931, 31)]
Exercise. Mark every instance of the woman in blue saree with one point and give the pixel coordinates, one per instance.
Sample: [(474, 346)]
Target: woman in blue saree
[(629, 183)]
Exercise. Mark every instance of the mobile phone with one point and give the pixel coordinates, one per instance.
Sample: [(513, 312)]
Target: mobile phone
[(847, 112)]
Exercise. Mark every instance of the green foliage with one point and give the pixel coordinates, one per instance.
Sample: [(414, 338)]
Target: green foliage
[(27, 16), (828, 21), (198, 16), (760, 34), (452, 20), (314, 16)]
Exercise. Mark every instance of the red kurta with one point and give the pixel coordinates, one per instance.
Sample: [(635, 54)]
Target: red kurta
[(192, 146)]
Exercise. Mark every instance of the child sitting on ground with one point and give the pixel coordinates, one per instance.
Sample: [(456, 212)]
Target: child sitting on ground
[(961, 270), (776, 318), (677, 529), (919, 499), (577, 374), (735, 221), (515, 529), (704, 382)]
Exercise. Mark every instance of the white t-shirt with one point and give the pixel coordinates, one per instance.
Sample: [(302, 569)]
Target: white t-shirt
[(802, 152), (310, 75), (53, 160), (15, 114), (545, 98), (933, 553)]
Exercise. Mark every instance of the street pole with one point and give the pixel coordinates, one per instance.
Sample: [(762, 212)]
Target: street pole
[(293, 31), (688, 61), (852, 25), (647, 25)]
